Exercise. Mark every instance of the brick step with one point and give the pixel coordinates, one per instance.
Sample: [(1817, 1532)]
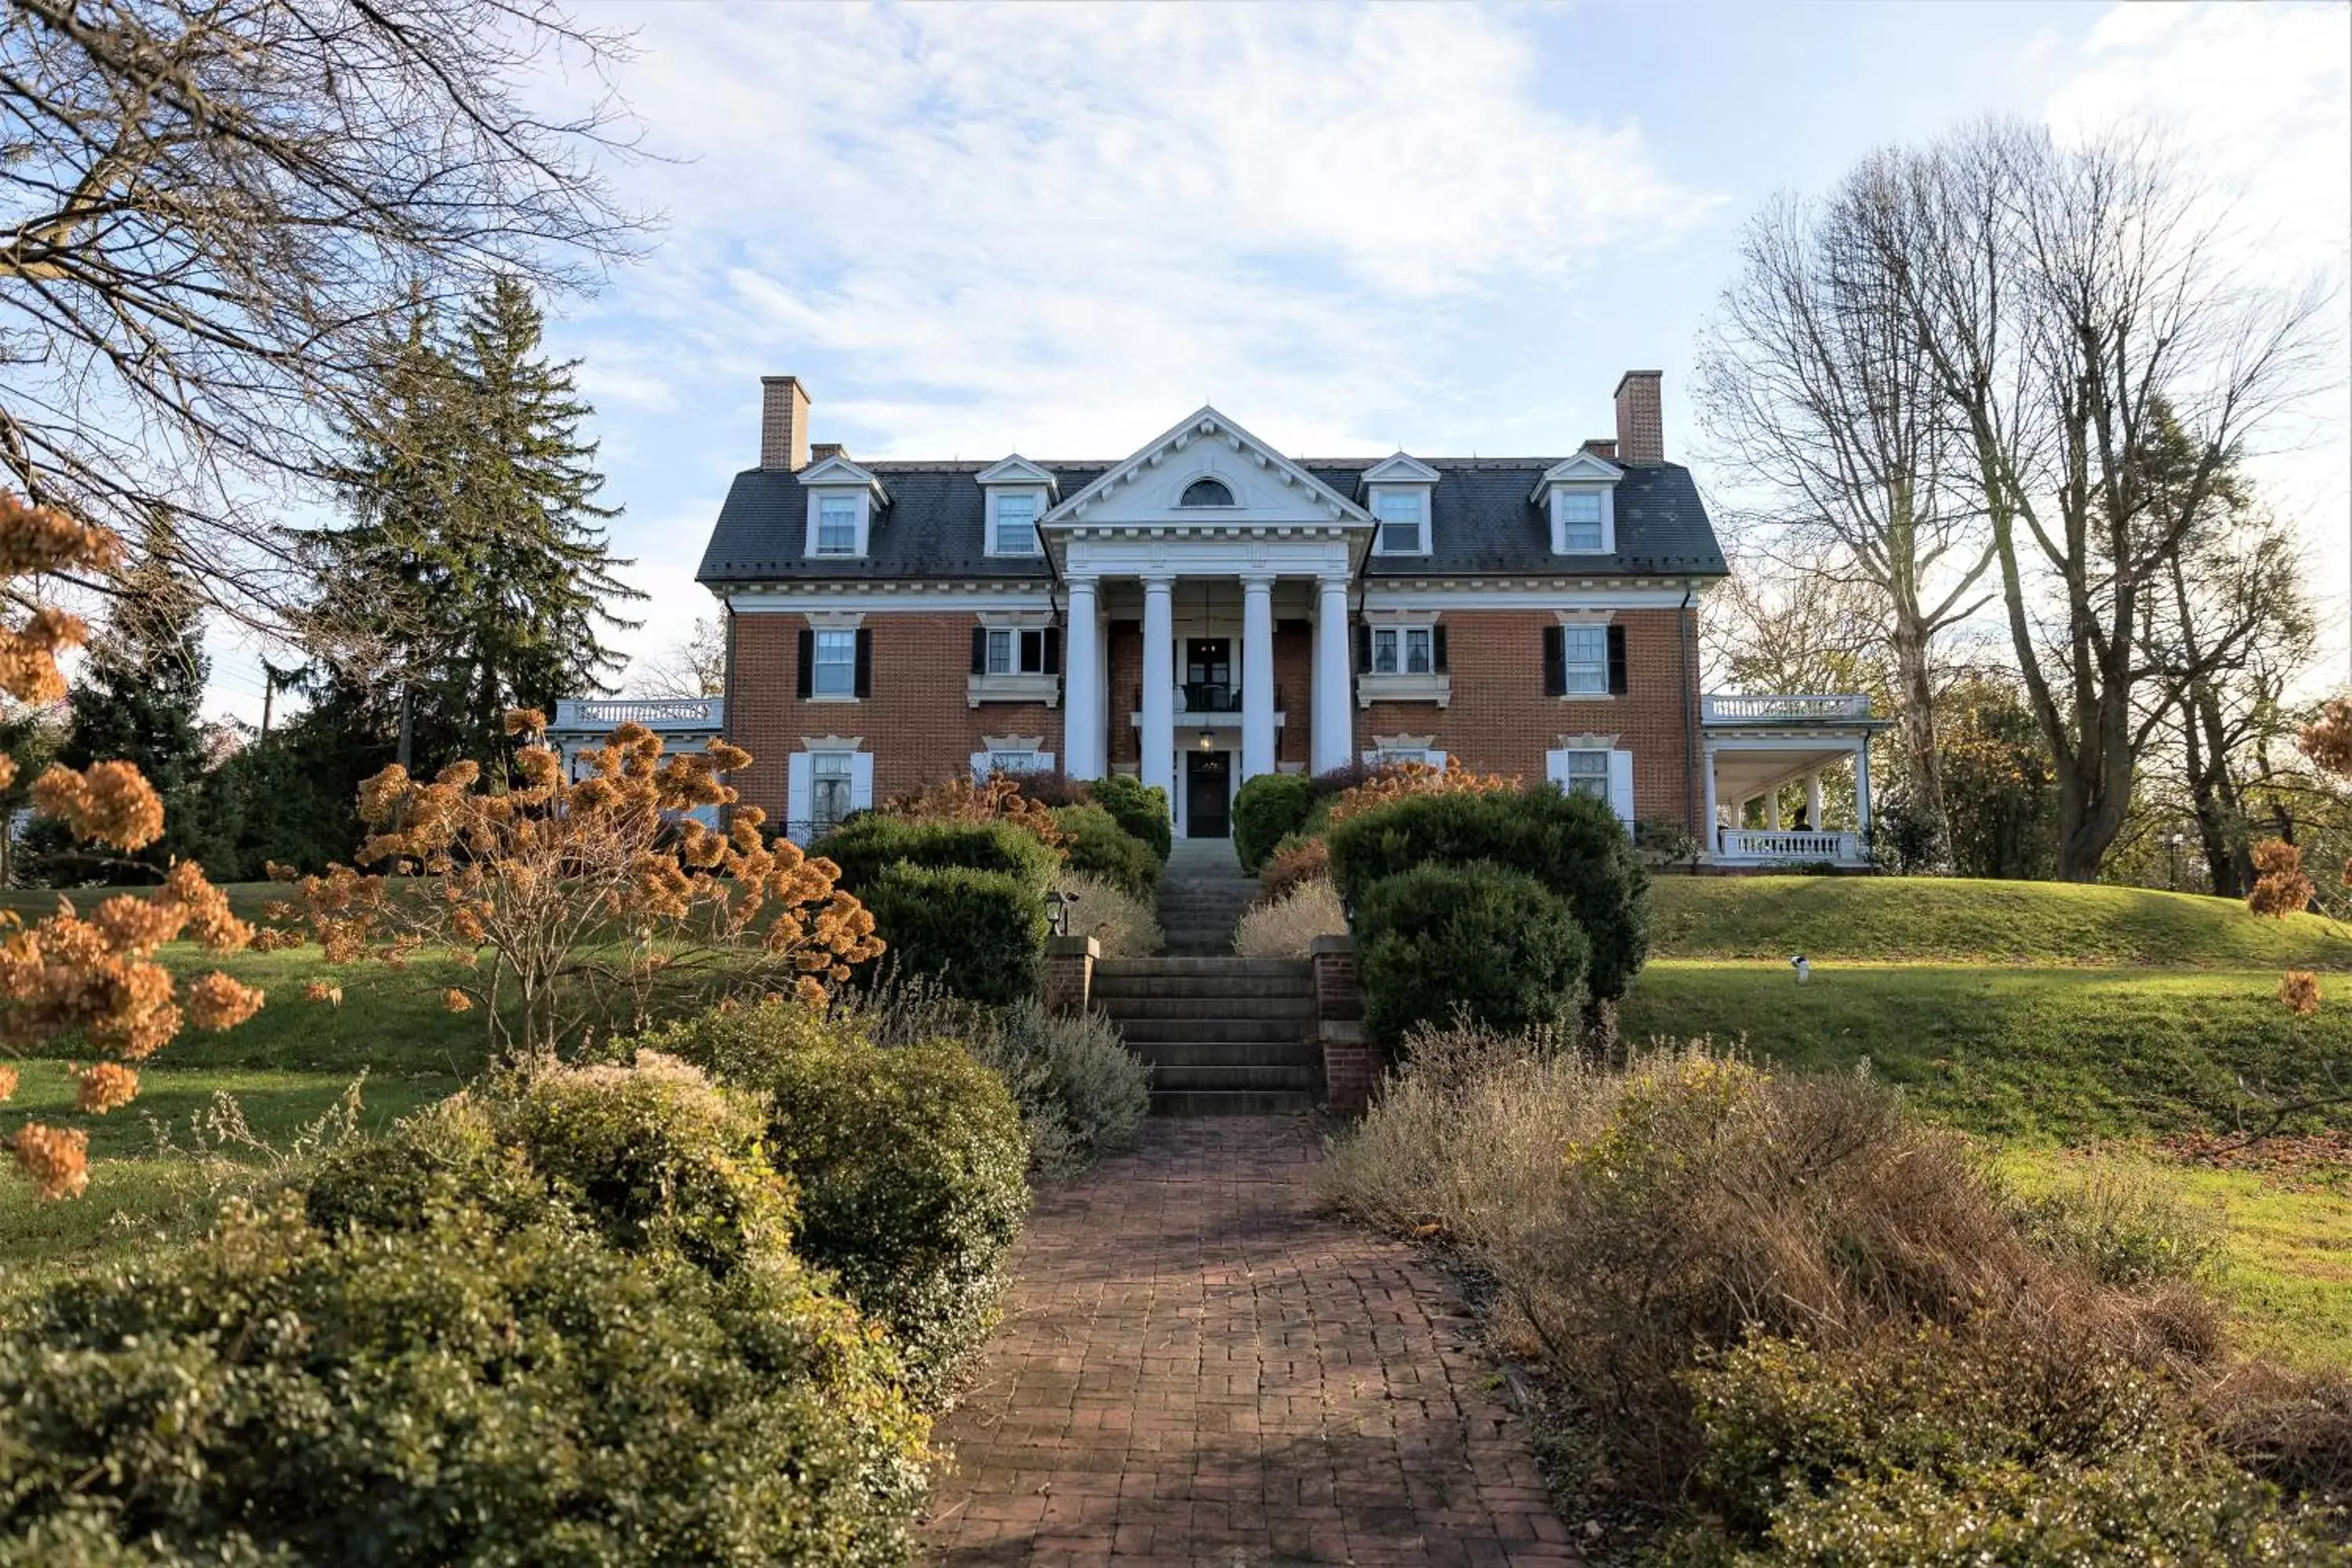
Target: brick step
[(1226, 1054), (1297, 1012), (1231, 1102), (1301, 1077), (1113, 970), (1144, 1032)]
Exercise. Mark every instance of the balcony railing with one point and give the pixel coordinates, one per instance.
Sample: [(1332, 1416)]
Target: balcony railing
[(654, 712), (1808, 709), (1789, 843), (1209, 696)]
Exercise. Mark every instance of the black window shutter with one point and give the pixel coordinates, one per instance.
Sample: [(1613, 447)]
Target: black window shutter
[(1052, 650), (1437, 648), (1616, 661), (807, 660), (979, 650), (1363, 650), (1555, 657), (865, 662)]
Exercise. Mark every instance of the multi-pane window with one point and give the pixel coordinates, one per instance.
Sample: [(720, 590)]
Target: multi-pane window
[(1016, 525), (1585, 651), (1012, 762), (1012, 651), (1399, 517), (1580, 521), (829, 791), (1587, 773), (836, 525), (833, 671), (1401, 650)]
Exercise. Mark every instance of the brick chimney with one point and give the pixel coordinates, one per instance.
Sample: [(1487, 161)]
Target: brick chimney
[(1641, 437), (783, 423), (1603, 446), (820, 450)]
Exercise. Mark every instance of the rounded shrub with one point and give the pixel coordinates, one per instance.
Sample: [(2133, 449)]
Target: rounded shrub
[(981, 934), (460, 1389), (865, 846), (1572, 844), (1266, 810), (1099, 847), (1140, 809), (1476, 938), (1296, 861), (912, 1169)]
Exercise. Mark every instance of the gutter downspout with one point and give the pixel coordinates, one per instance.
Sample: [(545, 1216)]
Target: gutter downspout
[(1691, 753)]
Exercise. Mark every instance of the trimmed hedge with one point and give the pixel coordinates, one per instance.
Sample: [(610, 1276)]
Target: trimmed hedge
[(1266, 810), (865, 846), (1102, 848), (1140, 809), (1572, 844), (981, 934), (1477, 938)]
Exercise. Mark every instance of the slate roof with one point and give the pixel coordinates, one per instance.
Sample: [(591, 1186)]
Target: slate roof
[(1481, 523)]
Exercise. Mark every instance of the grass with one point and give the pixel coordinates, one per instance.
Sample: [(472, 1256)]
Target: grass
[(1926, 919)]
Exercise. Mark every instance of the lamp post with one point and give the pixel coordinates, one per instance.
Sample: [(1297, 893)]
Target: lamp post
[(2173, 841)]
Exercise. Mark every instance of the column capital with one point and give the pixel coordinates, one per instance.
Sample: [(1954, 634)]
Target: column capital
[(1258, 581), (1077, 581), (1326, 581), (1157, 582)]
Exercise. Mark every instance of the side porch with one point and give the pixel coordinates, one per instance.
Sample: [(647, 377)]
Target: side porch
[(1788, 779)]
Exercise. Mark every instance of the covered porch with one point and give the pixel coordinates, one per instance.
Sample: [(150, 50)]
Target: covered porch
[(1788, 779)]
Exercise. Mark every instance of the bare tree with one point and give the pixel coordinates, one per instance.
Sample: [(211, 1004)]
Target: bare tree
[(213, 213), (696, 667), (2072, 302), (1817, 386)]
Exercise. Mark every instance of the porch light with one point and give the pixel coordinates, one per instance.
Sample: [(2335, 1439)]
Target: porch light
[(1057, 911), (1207, 741)]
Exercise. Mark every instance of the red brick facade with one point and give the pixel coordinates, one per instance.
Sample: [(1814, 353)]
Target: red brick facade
[(919, 725)]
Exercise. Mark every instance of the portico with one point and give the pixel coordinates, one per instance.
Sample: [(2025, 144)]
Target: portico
[(1207, 540), (1756, 748)]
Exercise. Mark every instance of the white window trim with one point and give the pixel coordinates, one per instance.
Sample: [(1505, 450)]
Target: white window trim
[(863, 497), (1608, 494), (1390, 749), (983, 761), (821, 630), (1619, 770), (1231, 489), (1436, 686), (800, 789), (1016, 685), (1037, 498), (1574, 623), (1424, 495)]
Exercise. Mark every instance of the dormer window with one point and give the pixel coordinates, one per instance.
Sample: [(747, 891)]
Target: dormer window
[(1014, 529), (1580, 521), (836, 525), (1581, 497), (1402, 516), (842, 501), (1016, 494), (1207, 492)]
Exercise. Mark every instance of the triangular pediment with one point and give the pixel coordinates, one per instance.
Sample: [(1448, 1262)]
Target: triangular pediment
[(1399, 469), (1015, 470), (1265, 488), (837, 471), (1582, 469)]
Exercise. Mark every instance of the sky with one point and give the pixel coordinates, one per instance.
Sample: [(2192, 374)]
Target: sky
[(974, 230)]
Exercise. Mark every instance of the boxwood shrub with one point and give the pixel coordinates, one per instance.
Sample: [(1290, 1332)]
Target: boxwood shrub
[(1140, 809), (1266, 810), (1098, 847), (981, 934), (865, 847), (1572, 844), (1476, 938)]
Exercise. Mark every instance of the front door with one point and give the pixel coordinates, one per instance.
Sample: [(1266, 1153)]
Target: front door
[(1207, 809)]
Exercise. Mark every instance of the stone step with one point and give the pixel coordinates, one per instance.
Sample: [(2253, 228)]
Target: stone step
[(1118, 968), (1301, 1077), (1144, 1032), (1226, 1054), (1231, 1102), (1296, 1012)]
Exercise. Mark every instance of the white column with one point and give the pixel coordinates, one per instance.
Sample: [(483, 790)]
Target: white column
[(1082, 696), (1105, 715), (1813, 800), (1711, 837), (1257, 675), (1158, 686), (1862, 786), (1335, 728), (1772, 808)]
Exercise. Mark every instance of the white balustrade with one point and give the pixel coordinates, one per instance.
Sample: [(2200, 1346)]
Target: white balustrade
[(653, 712), (1793, 844), (1717, 709)]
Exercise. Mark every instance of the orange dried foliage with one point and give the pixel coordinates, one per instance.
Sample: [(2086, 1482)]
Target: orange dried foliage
[(2328, 740), (110, 803), (2282, 889), (217, 1002), (1395, 783), (960, 800), (106, 1087), (319, 990), (457, 1001), (2300, 990), (7, 1083), (57, 1158), (36, 539)]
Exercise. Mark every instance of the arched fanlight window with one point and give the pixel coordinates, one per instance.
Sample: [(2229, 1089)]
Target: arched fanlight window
[(1207, 492)]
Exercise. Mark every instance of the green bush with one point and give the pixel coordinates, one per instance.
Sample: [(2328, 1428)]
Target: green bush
[(1098, 847), (980, 934), (461, 1389), (865, 846), (1140, 809), (1995, 1443), (2123, 1225), (1572, 844), (910, 1161), (1266, 810), (1474, 937)]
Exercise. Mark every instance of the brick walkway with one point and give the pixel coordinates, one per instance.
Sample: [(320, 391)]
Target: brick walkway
[(1195, 1368)]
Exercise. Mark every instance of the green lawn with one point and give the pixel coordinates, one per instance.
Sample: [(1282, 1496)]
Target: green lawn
[(1930, 919)]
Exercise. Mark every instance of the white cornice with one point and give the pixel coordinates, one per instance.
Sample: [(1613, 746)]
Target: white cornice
[(837, 471), (1207, 424), (1398, 468), (1017, 469), (1582, 469)]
